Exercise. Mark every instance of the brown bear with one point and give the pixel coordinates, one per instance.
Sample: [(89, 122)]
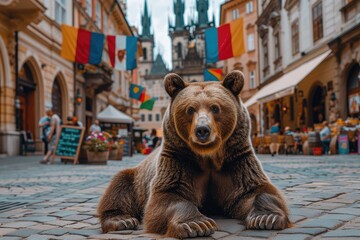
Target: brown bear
[(205, 165)]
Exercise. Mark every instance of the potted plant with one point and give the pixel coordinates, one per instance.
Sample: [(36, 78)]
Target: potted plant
[(97, 148)]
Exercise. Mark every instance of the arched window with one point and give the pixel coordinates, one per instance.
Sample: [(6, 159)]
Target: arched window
[(179, 50), (145, 53), (56, 98)]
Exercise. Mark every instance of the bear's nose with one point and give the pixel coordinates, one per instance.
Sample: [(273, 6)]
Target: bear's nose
[(202, 132)]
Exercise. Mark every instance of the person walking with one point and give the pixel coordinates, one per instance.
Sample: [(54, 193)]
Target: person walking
[(325, 137), (52, 135), (44, 123)]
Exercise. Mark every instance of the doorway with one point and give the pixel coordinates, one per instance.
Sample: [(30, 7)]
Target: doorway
[(317, 106)]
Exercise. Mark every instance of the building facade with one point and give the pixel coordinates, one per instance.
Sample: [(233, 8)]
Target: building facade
[(151, 72), (101, 85), (247, 62), (299, 76), (188, 40), (33, 75)]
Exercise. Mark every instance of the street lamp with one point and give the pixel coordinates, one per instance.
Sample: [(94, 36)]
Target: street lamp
[(78, 97), (284, 108)]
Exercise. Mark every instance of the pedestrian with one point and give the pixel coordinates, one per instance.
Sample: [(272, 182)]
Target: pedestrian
[(95, 127), (44, 123), (288, 131), (275, 129), (298, 140), (76, 122), (52, 135), (154, 139), (325, 137)]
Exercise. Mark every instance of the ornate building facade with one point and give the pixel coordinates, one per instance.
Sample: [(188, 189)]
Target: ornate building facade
[(188, 41)]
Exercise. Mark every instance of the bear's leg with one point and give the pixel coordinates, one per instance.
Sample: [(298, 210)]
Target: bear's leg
[(266, 210), (118, 209), (173, 216)]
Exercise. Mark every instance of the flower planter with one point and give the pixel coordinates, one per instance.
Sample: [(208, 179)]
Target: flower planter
[(113, 154), (97, 157), (120, 152)]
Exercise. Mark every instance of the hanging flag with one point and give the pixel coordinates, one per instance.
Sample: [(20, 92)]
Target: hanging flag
[(149, 104), (143, 96), (224, 42), (122, 52), (135, 91), (81, 46), (212, 74)]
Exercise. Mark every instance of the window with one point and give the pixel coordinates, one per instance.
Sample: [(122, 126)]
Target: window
[(277, 46), (157, 116), (60, 11), (252, 80), (235, 14), (143, 117), (295, 37), (144, 53), (179, 50), (266, 53), (98, 14), (105, 22), (249, 7), (317, 21), (89, 7), (251, 43), (150, 117)]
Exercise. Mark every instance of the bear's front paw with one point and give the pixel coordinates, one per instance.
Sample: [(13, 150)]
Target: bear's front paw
[(199, 227), (267, 222), (119, 223)]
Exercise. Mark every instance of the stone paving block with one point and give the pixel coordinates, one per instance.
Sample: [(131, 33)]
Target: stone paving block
[(349, 210), (311, 231), (63, 213), (78, 225), (257, 233), (296, 218), (43, 227), (60, 223), (91, 220), (4, 231), (42, 219), (111, 236), (76, 217), (309, 213), (229, 225), (343, 233), (292, 237), (321, 223), (19, 224), (56, 232), (11, 238), (23, 232), (40, 237), (84, 232), (71, 237), (219, 234), (341, 217)]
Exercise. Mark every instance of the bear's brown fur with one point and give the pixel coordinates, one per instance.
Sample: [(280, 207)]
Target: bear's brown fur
[(205, 165)]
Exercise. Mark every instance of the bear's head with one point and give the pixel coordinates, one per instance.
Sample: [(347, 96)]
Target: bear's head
[(204, 114)]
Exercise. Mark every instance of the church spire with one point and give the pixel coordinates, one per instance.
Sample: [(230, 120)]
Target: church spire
[(202, 7), (146, 22), (179, 10)]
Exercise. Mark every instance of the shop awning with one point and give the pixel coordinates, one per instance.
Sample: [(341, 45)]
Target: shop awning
[(112, 115), (286, 84)]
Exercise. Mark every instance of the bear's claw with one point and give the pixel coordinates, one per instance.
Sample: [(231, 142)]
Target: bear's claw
[(119, 223), (267, 222), (197, 228)]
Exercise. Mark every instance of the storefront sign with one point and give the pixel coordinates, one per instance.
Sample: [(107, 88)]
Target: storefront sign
[(343, 144), (69, 142)]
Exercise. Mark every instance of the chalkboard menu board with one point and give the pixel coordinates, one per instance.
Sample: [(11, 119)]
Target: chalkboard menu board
[(69, 142)]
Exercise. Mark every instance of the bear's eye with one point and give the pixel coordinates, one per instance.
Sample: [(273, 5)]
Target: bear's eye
[(190, 110), (214, 109)]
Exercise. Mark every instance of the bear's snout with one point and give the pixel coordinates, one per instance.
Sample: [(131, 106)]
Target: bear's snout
[(203, 132)]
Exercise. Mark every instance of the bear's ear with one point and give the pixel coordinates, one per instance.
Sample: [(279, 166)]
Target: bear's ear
[(174, 84), (234, 81)]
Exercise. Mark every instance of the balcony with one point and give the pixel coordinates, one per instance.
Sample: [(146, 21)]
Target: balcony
[(20, 13)]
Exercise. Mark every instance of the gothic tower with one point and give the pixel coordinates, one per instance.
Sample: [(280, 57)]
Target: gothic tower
[(147, 39)]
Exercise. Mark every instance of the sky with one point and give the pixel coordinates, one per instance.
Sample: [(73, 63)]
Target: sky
[(160, 11)]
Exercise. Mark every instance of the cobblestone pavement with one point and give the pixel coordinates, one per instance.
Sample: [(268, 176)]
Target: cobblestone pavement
[(59, 201)]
